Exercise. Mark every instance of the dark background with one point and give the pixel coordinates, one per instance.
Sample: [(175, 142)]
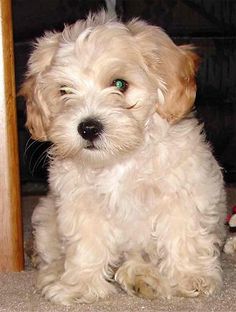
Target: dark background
[(208, 24)]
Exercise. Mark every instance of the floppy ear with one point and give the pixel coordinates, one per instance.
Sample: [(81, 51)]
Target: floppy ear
[(173, 67), (180, 92), (38, 113)]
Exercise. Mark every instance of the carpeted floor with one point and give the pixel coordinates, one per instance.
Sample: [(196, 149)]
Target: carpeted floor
[(17, 292)]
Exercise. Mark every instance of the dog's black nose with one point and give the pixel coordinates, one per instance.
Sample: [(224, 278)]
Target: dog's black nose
[(90, 129)]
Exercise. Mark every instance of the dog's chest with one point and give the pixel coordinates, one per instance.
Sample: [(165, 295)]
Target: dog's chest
[(116, 191), (121, 200), (121, 192)]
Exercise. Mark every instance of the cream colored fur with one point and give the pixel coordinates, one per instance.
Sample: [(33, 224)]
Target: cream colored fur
[(144, 209)]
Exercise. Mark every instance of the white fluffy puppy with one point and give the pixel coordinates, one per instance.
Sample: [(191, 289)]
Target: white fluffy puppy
[(136, 197)]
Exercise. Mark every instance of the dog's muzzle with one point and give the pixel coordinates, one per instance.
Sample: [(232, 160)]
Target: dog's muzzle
[(90, 129)]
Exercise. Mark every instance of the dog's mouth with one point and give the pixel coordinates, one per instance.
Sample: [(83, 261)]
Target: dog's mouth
[(90, 146)]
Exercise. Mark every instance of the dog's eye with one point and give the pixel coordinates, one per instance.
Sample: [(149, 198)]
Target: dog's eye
[(65, 90), (120, 84)]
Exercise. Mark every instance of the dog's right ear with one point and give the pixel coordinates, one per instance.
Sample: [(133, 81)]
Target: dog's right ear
[(38, 113)]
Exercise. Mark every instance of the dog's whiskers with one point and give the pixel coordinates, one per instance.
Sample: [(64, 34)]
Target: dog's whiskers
[(32, 156), (29, 145), (43, 157)]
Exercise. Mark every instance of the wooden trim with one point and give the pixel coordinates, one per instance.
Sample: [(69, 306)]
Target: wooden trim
[(11, 247)]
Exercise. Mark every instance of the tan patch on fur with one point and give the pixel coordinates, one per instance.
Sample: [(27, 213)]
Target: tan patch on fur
[(175, 65)]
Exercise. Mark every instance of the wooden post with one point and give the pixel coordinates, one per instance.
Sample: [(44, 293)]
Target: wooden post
[(11, 247)]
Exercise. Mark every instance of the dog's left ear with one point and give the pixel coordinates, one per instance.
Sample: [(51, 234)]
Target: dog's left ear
[(180, 92), (173, 67)]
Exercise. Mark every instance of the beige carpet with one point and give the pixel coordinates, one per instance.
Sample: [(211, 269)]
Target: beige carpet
[(17, 292)]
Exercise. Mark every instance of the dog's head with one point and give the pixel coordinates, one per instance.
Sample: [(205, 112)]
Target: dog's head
[(92, 89)]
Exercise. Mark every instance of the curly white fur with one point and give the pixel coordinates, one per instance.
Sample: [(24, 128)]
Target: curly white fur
[(145, 207)]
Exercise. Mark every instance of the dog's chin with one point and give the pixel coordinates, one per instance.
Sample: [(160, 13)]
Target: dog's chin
[(98, 155), (94, 157)]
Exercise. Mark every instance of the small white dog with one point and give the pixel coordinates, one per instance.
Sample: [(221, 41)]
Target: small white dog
[(136, 197)]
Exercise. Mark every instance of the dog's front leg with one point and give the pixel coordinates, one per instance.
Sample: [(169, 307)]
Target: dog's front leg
[(86, 269)]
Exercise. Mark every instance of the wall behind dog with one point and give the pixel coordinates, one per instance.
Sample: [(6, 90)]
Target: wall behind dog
[(210, 25)]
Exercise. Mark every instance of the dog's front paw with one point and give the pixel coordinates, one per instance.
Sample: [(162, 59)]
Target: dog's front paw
[(194, 286), (59, 293), (145, 286), (142, 280)]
